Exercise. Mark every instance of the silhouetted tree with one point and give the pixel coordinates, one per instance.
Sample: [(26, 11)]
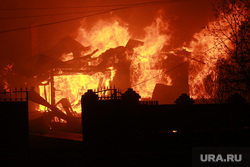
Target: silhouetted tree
[(231, 28)]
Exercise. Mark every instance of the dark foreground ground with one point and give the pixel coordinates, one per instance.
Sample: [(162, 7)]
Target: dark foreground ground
[(48, 151), (167, 149)]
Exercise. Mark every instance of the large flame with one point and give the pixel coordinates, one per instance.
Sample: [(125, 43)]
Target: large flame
[(145, 71), (104, 35), (209, 46), (74, 85), (145, 62)]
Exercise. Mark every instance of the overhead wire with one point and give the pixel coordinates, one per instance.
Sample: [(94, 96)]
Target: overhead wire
[(89, 6), (48, 15), (55, 22), (94, 14)]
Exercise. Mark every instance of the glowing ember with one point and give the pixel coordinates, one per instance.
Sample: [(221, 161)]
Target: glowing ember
[(174, 131)]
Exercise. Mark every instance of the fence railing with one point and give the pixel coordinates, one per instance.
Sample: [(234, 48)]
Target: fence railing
[(14, 95), (148, 103), (108, 94), (115, 94)]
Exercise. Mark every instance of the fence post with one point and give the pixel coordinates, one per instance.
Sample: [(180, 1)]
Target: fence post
[(26, 94), (115, 94), (15, 92), (21, 97), (101, 93), (4, 95), (10, 94)]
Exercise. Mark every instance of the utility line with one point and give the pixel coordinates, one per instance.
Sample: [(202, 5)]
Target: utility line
[(57, 22), (47, 15), (80, 17), (89, 6)]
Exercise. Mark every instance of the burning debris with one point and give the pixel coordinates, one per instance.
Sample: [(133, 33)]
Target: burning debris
[(54, 113)]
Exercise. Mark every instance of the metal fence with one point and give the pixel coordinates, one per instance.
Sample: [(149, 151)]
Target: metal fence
[(115, 94), (14, 95), (148, 103), (108, 94)]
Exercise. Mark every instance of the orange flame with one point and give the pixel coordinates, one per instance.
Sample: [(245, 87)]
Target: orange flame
[(103, 36), (208, 46), (145, 69), (145, 73), (74, 85)]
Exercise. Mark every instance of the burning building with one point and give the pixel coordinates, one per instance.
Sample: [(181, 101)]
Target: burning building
[(110, 59), (106, 56)]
